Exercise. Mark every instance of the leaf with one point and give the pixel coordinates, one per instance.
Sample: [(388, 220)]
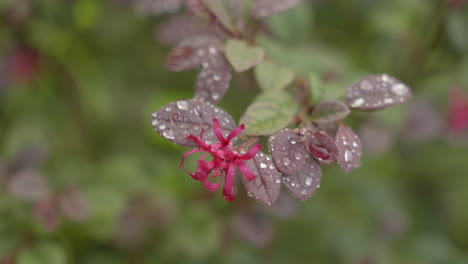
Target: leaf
[(73, 205), (28, 185), (46, 214), (158, 7), (376, 92), (306, 181), (176, 120), (253, 226), (269, 113), (288, 151), (457, 23), (218, 8), (266, 186), (193, 52), (285, 206), (272, 77), (30, 157), (350, 148), (322, 147), (177, 28), (329, 111), (265, 8), (241, 56), (213, 80), (316, 89)]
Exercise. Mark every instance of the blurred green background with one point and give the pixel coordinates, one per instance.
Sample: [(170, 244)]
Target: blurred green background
[(80, 78)]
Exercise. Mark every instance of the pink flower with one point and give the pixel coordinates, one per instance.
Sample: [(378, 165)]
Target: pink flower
[(458, 111), (224, 161)]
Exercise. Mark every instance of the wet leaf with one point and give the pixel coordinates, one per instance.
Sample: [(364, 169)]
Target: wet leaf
[(177, 28), (73, 205), (269, 113), (213, 80), (316, 89), (266, 186), (265, 8), (322, 147), (45, 212), (306, 181), (350, 148), (272, 77), (219, 9), (288, 151), (193, 52), (376, 92), (329, 111), (254, 227), (30, 157), (242, 56), (28, 185), (177, 120)]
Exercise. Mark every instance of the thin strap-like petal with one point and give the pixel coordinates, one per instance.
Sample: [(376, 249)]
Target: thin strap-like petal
[(218, 132), (252, 152), (199, 142), (245, 170), (235, 132), (188, 153), (211, 186), (229, 191)]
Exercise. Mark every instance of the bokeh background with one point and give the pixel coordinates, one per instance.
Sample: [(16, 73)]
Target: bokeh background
[(85, 179)]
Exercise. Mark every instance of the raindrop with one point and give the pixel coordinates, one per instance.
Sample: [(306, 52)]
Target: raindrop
[(215, 96), (358, 102), (169, 134), (154, 122), (348, 155), (399, 89), (278, 181), (272, 167), (366, 85), (162, 127), (155, 114), (183, 105), (168, 109), (212, 50), (355, 144), (297, 155), (308, 181), (263, 165), (216, 77), (293, 141), (286, 161), (303, 191)]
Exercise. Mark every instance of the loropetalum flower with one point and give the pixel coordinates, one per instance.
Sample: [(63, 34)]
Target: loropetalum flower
[(224, 160), (458, 111)]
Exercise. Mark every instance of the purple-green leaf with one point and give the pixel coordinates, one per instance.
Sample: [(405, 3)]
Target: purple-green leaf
[(288, 151), (213, 80), (377, 92), (266, 186), (73, 205), (322, 147), (304, 182), (219, 9), (350, 148), (329, 111), (176, 120), (242, 56), (265, 8), (28, 185)]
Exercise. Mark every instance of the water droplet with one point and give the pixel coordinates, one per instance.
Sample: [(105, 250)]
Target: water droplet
[(286, 161), (168, 108), (303, 191), (298, 155), (399, 89), (169, 134), (293, 141), (388, 100), (183, 105), (366, 85), (155, 122), (212, 50), (385, 78), (215, 96), (155, 114), (204, 65), (358, 102), (308, 181), (348, 156), (355, 144), (263, 165), (162, 127), (216, 77), (272, 167), (278, 181)]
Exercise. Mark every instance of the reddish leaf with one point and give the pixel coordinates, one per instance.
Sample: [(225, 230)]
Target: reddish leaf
[(254, 227), (265, 8), (288, 151), (285, 206), (322, 147), (304, 182), (266, 186), (73, 205), (377, 92), (177, 120), (29, 157), (46, 214), (28, 185), (193, 52), (213, 80), (329, 111), (177, 28), (350, 148)]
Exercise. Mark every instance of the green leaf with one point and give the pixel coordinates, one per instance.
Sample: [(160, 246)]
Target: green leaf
[(242, 56), (269, 113), (272, 77), (457, 24), (316, 89), (219, 9), (329, 111)]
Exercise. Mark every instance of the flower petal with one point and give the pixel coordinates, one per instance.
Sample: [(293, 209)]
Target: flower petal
[(229, 191), (252, 152), (217, 131), (245, 170)]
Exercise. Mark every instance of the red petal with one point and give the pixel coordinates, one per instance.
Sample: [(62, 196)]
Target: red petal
[(245, 170), (217, 131), (188, 153), (229, 191), (252, 152), (235, 132)]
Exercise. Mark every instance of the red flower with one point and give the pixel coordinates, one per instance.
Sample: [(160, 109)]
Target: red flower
[(224, 161), (458, 111)]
